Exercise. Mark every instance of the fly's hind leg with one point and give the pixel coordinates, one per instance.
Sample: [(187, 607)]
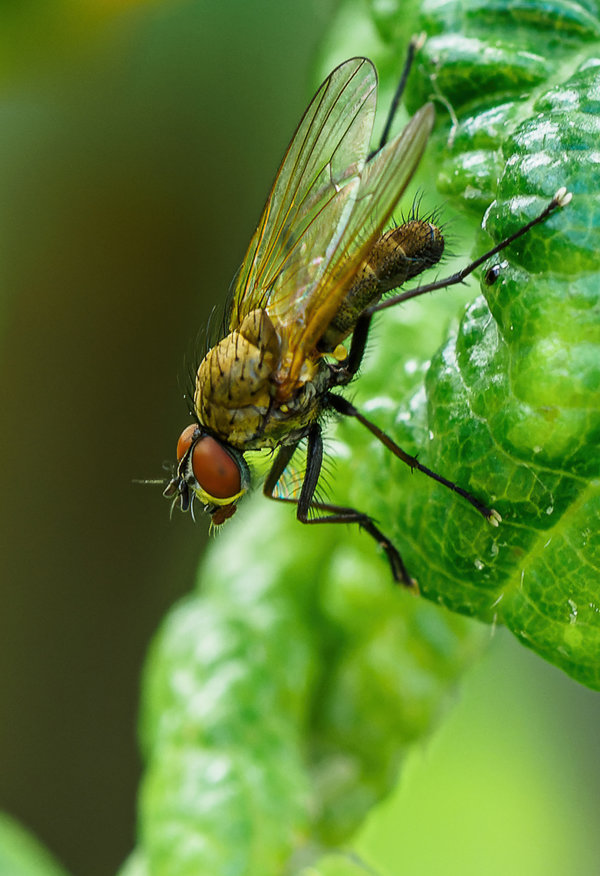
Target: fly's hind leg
[(359, 341), (342, 406), (361, 328), (325, 513)]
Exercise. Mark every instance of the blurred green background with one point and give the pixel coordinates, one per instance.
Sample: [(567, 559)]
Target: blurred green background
[(138, 142)]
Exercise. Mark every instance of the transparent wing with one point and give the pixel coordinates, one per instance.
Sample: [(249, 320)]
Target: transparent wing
[(320, 172), (358, 215)]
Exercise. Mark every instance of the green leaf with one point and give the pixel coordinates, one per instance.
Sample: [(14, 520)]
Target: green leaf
[(21, 854), (511, 407), (135, 865), (257, 686), (338, 865)]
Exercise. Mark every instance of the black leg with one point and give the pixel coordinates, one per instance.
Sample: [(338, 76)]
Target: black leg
[(342, 406), (358, 344), (560, 199), (282, 460), (413, 47), (363, 323), (329, 513)]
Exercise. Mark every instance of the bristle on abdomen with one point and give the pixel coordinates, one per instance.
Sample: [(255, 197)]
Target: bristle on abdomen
[(398, 255)]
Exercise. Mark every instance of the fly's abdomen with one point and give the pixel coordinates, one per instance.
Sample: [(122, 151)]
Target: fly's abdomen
[(398, 255)]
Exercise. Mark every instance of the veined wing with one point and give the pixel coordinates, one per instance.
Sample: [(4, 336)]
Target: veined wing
[(319, 173), (367, 203)]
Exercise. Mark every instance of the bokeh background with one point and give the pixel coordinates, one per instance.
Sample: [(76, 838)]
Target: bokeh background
[(138, 142)]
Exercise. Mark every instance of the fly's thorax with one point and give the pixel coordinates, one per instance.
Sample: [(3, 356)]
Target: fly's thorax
[(233, 382), (397, 256), (293, 412)]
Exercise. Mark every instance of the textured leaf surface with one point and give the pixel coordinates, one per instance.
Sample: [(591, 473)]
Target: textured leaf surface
[(512, 403), (258, 685)]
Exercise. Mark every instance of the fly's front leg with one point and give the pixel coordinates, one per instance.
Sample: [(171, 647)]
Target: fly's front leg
[(329, 513), (342, 406), (282, 460)]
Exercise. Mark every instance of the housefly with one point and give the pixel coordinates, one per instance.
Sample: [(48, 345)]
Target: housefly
[(315, 273)]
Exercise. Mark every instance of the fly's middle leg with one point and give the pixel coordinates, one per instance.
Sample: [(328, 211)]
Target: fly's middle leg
[(313, 513), (342, 406)]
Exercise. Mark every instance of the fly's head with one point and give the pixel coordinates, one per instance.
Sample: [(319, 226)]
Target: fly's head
[(208, 470)]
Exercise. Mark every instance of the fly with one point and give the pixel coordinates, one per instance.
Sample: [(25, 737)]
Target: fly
[(316, 271)]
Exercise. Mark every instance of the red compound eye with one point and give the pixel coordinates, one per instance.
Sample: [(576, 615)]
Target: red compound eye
[(214, 469), (186, 439)]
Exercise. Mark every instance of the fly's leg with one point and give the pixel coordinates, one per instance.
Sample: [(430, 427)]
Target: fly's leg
[(560, 199), (329, 513), (414, 45), (359, 341), (361, 330), (282, 460), (342, 406)]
